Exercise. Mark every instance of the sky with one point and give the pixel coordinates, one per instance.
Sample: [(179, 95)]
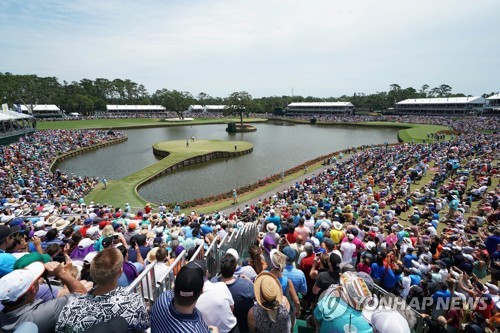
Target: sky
[(321, 48)]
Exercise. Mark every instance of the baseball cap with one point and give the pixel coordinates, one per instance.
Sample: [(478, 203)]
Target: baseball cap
[(234, 253), (329, 243), (198, 264), (30, 258), (19, 281), (290, 253), (388, 321), (106, 242), (6, 231), (189, 281)]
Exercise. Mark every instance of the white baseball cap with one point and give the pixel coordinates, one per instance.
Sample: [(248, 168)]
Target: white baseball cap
[(18, 282), (389, 321), (234, 253)]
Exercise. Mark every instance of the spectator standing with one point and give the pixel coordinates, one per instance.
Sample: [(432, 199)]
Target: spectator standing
[(175, 311), (216, 303), (241, 289), (270, 313)]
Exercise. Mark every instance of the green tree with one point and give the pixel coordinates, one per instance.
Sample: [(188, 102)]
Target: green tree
[(238, 102), (177, 101), (423, 90)]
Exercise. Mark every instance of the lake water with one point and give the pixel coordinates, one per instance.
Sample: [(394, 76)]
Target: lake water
[(277, 146)]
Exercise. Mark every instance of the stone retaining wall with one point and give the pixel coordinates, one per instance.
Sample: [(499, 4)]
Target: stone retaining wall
[(190, 161)]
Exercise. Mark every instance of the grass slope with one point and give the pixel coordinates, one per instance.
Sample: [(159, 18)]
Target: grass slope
[(123, 190)]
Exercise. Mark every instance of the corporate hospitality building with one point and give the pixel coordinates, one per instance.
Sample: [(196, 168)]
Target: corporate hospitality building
[(320, 108), (14, 124), (492, 106), (134, 108), (42, 110), (207, 108), (449, 106)]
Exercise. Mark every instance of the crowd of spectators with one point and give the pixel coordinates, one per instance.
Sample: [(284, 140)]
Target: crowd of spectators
[(137, 115), (25, 173), (419, 221), (462, 124)]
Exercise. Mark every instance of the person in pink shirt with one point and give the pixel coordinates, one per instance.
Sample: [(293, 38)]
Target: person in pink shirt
[(364, 265), (360, 246)]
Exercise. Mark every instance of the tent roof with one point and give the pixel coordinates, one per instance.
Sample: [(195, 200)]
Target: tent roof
[(12, 115), (41, 107), (324, 104), (134, 107), (496, 96), (444, 100)]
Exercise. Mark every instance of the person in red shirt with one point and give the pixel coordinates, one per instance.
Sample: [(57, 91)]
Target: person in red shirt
[(86, 225), (306, 265), (147, 209), (365, 265), (291, 236), (485, 306)]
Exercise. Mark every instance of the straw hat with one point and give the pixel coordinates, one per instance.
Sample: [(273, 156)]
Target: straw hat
[(337, 225), (271, 227), (60, 224), (267, 291), (152, 254)]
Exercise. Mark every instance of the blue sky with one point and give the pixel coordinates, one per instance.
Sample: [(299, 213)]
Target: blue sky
[(317, 48)]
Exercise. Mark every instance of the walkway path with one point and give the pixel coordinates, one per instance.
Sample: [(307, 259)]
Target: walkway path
[(281, 188)]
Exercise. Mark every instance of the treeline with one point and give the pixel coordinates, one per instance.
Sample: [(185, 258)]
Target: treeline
[(89, 96)]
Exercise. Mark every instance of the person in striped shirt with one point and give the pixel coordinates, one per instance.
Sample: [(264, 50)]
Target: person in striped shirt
[(175, 311)]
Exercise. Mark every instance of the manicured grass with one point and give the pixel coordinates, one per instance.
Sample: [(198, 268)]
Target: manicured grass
[(408, 132), (123, 190), (137, 122), (418, 133)]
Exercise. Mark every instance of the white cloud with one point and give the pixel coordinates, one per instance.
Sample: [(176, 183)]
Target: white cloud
[(320, 48)]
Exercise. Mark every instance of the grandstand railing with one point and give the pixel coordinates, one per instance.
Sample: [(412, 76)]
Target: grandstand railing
[(147, 286), (239, 240), (213, 255)]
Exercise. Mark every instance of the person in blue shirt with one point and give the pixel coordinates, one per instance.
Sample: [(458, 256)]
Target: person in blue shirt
[(407, 259), (274, 219), (453, 206), (205, 229), (378, 269), (441, 299), (295, 275), (492, 241), (415, 277), (391, 279)]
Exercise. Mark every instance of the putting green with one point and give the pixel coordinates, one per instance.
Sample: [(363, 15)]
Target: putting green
[(123, 190)]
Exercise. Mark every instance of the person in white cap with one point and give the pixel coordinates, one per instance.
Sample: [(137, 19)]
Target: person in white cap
[(246, 271), (19, 288), (347, 249), (389, 321)]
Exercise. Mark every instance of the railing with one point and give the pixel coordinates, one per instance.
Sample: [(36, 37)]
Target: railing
[(213, 255), (420, 326), (199, 254), (147, 285), (150, 286)]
